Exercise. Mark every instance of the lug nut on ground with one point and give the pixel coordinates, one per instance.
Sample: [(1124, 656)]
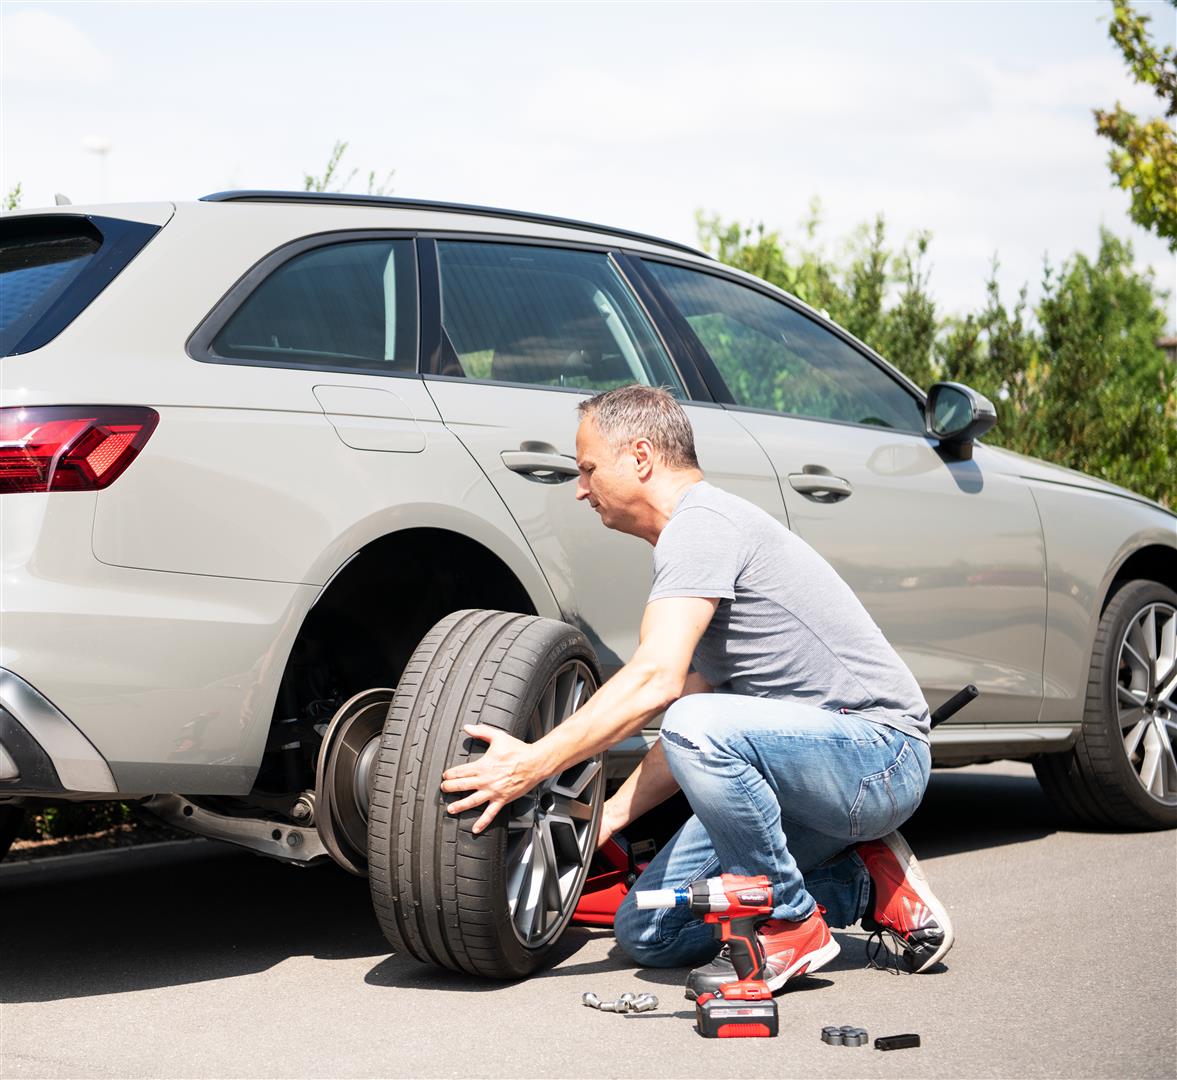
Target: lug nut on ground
[(627, 1003)]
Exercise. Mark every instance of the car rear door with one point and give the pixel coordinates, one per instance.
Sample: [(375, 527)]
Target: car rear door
[(947, 555), (515, 335)]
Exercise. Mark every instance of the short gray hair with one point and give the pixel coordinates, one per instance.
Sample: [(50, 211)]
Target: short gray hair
[(643, 412)]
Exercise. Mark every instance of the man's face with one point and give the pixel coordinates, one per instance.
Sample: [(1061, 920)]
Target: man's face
[(608, 479)]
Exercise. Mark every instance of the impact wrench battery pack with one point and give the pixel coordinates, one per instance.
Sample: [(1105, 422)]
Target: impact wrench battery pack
[(718, 1018)]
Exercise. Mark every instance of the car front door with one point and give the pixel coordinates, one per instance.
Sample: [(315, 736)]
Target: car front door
[(947, 555), (521, 334)]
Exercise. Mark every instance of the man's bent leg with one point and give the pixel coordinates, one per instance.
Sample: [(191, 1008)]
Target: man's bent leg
[(670, 937), (780, 786)]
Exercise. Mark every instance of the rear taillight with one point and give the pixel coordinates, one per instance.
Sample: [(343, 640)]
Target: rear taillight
[(70, 447)]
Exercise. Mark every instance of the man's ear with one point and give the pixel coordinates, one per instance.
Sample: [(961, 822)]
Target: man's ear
[(643, 455)]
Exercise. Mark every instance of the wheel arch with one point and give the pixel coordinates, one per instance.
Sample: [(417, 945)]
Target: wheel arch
[(370, 615), (1153, 561)]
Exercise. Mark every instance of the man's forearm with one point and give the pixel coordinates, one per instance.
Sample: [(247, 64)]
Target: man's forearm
[(650, 784), (620, 708)]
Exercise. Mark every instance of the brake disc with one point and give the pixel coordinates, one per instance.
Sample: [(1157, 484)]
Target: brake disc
[(343, 777)]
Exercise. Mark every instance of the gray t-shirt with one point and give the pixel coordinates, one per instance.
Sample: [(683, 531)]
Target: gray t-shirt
[(786, 626)]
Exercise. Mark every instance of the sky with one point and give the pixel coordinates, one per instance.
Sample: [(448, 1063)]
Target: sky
[(971, 121)]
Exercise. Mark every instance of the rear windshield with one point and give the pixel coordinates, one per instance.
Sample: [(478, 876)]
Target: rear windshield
[(52, 267)]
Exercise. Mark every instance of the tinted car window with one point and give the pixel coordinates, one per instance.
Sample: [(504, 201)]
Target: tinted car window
[(52, 267), (349, 305), (773, 357), (544, 316)]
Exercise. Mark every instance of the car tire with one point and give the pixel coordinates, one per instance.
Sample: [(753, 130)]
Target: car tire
[(1122, 771), (492, 904)]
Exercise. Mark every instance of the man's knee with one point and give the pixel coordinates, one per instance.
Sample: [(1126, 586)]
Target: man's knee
[(652, 939), (685, 724), (636, 930)]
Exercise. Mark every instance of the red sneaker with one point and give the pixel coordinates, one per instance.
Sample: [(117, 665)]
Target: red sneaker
[(791, 949), (905, 907), (795, 948)]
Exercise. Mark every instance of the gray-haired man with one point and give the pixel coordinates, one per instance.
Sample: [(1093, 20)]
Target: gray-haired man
[(812, 747)]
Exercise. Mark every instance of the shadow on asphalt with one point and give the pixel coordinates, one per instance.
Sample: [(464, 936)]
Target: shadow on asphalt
[(236, 914), (971, 811), (211, 918)]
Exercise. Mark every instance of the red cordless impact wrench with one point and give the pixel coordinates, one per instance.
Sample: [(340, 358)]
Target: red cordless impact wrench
[(735, 906)]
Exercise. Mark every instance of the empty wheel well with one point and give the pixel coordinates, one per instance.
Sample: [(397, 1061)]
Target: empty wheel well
[(1156, 563), (363, 629)]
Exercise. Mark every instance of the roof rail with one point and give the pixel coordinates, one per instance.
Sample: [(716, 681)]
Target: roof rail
[(342, 199)]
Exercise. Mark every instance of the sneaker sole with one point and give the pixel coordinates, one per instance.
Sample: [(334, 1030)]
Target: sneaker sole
[(806, 965), (915, 876)]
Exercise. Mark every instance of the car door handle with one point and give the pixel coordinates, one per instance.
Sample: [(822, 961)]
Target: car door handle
[(543, 468), (810, 483)]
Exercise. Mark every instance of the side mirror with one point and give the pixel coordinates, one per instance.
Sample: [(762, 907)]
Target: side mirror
[(955, 415)]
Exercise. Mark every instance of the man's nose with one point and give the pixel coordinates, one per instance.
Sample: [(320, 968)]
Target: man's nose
[(581, 490)]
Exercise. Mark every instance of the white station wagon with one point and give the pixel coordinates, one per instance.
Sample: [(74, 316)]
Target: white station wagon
[(286, 495)]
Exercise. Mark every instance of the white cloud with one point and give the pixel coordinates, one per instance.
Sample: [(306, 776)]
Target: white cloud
[(43, 47)]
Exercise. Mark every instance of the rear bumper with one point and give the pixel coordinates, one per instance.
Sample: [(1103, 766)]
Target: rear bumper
[(41, 751)]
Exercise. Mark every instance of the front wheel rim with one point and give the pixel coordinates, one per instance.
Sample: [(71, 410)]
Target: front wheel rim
[(1146, 699), (551, 831)]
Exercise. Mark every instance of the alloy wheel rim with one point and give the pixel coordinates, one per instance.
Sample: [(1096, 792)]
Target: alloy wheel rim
[(1146, 699), (551, 831)]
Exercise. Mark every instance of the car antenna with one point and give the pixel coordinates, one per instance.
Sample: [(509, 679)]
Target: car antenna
[(62, 200)]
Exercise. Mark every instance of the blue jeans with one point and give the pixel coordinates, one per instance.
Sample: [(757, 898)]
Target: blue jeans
[(777, 788)]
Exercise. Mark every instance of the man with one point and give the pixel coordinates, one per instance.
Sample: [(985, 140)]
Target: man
[(797, 734)]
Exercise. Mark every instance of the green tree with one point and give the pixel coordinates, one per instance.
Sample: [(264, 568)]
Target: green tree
[(1107, 401), (1143, 157), (330, 180), (12, 199), (877, 294)]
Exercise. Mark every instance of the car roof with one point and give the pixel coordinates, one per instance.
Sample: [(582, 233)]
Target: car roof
[(393, 201)]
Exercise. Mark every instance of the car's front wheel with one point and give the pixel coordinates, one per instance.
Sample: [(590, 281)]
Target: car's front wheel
[(1123, 769), (492, 904)]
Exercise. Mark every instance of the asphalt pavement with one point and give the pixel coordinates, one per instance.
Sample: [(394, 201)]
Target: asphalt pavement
[(196, 960)]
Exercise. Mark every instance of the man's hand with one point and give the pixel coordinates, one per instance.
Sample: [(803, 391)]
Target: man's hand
[(506, 771)]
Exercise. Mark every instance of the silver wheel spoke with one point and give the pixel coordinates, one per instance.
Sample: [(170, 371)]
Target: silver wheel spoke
[(551, 869), (1167, 695), (572, 782), (1166, 673), (1151, 774), (1131, 698), (571, 810), (1132, 739), (1132, 717), (533, 912), (1141, 665), (518, 864), (1168, 778)]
